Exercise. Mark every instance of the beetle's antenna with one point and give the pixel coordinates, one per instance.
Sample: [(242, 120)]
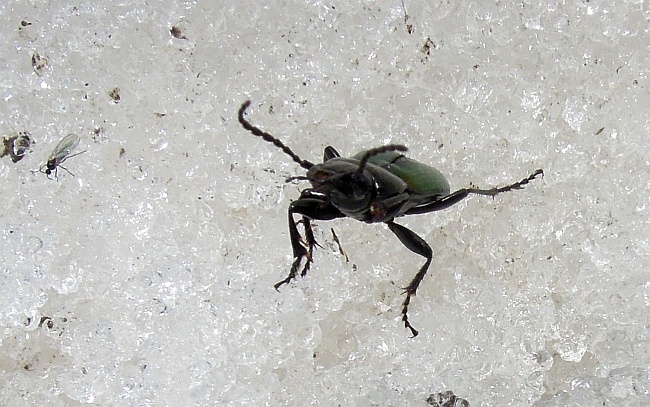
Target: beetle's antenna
[(267, 137), (375, 151)]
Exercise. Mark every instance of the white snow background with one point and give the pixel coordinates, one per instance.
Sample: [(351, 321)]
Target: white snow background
[(146, 279)]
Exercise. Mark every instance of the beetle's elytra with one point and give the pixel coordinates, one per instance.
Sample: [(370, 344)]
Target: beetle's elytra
[(377, 185)]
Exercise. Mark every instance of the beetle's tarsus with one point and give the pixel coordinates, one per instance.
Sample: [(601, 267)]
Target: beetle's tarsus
[(405, 310), (294, 269), (413, 330), (305, 268), (283, 282), (280, 283), (309, 236)]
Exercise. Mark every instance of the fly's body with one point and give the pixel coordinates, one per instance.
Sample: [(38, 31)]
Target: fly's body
[(61, 153)]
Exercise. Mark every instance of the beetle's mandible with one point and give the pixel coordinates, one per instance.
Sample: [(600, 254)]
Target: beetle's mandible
[(377, 185)]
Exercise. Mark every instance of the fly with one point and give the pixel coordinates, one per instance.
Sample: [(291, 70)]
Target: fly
[(60, 154)]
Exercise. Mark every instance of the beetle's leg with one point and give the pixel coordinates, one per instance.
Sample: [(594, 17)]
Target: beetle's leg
[(417, 245), (457, 196), (311, 242), (338, 243), (299, 250), (516, 185), (385, 209), (310, 208)]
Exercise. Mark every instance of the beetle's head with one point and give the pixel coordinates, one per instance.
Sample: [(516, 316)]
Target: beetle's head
[(349, 191)]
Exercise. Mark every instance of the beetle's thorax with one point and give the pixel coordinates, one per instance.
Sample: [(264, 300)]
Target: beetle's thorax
[(368, 196), (349, 192)]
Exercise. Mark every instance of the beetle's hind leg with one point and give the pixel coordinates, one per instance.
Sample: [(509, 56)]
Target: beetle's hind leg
[(440, 203), (417, 245), (511, 187)]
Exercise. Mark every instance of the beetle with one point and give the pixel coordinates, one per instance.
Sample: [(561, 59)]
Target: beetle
[(60, 154), (376, 185)]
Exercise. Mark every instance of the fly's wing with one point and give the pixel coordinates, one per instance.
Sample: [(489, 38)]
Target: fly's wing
[(65, 147)]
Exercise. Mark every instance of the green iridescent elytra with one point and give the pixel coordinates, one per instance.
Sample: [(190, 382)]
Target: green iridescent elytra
[(420, 178)]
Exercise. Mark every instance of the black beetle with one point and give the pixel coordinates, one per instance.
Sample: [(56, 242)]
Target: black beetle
[(377, 185)]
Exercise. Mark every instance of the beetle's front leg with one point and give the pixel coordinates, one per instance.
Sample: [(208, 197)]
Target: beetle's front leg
[(299, 251), (310, 207), (417, 245)]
